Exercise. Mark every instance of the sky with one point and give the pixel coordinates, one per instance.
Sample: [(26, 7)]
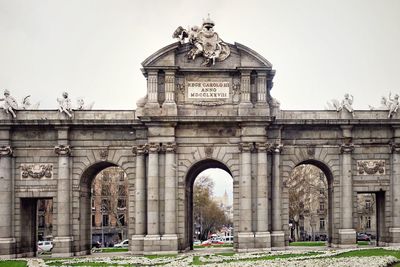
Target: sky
[(94, 48), (223, 182)]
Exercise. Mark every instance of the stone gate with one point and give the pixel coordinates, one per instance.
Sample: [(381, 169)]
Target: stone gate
[(208, 105)]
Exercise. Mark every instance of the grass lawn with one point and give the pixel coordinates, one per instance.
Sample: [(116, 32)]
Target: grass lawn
[(363, 243), (12, 263), (308, 244), (106, 250), (370, 252)]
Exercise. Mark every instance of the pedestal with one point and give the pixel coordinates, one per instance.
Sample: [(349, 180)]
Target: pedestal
[(169, 109), (62, 246), (394, 236), (262, 241), (136, 244), (277, 240), (151, 244), (245, 241), (347, 238), (245, 109), (152, 109), (7, 248), (169, 244)]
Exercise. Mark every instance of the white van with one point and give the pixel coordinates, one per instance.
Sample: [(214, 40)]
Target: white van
[(227, 239), (44, 246)]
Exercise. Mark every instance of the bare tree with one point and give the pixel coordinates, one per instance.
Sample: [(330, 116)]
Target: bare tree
[(206, 212)]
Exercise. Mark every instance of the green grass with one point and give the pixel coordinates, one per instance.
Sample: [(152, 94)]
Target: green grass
[(196, 261), (107, 250), (308, 244), (13, 264), (370, 252), (161, 256), (363, 243)]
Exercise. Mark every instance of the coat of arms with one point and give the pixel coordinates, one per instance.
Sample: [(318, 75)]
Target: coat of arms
[(205, 42)]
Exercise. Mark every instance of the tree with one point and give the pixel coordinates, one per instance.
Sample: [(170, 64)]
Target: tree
[(206, 212), (305, 184)]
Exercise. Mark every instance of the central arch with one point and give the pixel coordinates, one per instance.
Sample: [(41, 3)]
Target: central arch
[(193, 172)]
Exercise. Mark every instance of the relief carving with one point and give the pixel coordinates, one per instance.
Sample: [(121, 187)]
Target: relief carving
[(5, 151), (209, 151), (62, 150), (104, 154), (36, 171), (371, 167)]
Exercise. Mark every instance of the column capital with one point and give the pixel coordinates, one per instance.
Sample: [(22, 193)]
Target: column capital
[(169, 147), (153, 147), (246, 147), (346, 148), (62, 150), (262, 147), (394, 147), (275, 148), (139, 150), (6, 151)]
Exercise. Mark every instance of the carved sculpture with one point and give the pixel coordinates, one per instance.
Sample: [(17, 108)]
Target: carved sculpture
[(10, 104), (393, 104), (62, 150), (36, 171), (371, 167), (346, 103), (26, 103), (81, 105), (64, 104), (5, 151), (205, 42)]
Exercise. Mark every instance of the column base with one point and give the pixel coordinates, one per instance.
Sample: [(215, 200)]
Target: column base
[(245, 242), (394, 236), (62, 246), (169, 244), (136, 244), (151, 244), (347, 238), (262, 240), (7, 248), (169, 109), (151, 109), (278, 240), (245, 109), (262, 109)]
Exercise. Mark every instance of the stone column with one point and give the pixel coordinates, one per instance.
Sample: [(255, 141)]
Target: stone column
[(152, 239), (277, 235), (245, 103), (140, 200), (170, 239), (7, 241), (347, 235), (152, 89), (261, 88), (262, 236), (245, 233), (63, 240), (394, 230), (169, 105)]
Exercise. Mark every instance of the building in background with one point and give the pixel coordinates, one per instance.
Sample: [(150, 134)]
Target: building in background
[(109, 207)]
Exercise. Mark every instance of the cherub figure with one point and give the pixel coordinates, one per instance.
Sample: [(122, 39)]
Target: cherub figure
[(393, 104), (10, 104), (346, 103), (26, 103), (384, 105), (64, 104), (81, 105)]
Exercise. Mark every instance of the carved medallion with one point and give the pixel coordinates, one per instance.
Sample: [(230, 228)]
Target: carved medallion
[(36, 171), (346, 148), (371, 167), (62, 150), (209, 150), (310, 150), (5, 151), (104, 153)]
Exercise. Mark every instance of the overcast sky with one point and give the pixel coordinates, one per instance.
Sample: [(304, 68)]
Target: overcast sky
[(94, 49)]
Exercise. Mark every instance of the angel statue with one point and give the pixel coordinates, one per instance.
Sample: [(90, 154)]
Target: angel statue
[(26, 103), (64, 104), (346, 104), (393, 104), (82, 106), (10, 104)]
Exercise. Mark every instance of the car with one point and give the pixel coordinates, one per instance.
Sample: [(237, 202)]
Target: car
[(123, 244), (196, 242), (363, 237), (206, 243), (44, 246)]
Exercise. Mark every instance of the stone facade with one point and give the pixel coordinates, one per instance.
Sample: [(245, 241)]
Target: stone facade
[(173, 136)]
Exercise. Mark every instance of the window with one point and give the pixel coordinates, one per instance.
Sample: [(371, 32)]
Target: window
[(105, 205), (321, 206), (41, 221), (368, 225), (105, 190), (122, 190), (122, 176), (121, 203), (93, 220), (367, 204), (322, 191), (105, 220), (322, 223), (121, 219), (93, 204)]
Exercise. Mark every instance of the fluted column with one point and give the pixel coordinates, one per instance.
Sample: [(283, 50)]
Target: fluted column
[(394, 230), (140, 190), (152, 86), (63, 240), (170, 189), (347, 234), (262, 188), (245, 188), (245, 87), (7, 240), (261, 88), (153, 213), (169, 87)]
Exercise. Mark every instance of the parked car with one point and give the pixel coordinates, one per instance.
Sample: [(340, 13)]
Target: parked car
[(44, 246), (227, 239), (197, 243), (363, 237), (206, 243), (123, 244)]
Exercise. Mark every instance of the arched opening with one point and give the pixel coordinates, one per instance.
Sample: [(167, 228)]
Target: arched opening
[(103, 206), (310, 203), (198, 224)]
